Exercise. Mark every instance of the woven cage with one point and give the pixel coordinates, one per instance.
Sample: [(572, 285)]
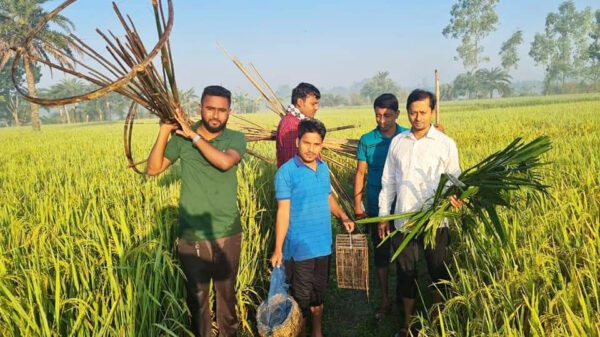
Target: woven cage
[(290, 327), (352, 261)]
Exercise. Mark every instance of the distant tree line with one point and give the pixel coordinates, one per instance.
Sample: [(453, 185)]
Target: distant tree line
[(568, 49)]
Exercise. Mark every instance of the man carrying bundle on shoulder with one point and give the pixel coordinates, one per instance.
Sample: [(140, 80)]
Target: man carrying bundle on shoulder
[(303, 231), (305, 103), (415, 161), (209, 233)]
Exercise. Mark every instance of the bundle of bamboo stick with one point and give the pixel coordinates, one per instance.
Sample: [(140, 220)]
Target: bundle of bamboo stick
[(332, 148), (130, 70)]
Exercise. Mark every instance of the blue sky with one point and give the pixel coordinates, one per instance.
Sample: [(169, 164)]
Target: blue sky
[(327, 43)]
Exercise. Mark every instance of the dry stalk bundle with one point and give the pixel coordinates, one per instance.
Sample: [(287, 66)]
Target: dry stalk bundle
[(130, 70)]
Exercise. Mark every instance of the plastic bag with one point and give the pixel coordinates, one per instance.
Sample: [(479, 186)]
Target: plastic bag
[(276, 309)]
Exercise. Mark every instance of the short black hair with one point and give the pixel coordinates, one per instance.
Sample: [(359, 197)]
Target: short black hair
[(420, 95), (216, 90), (303, 90), (311, 125), (386, 101)]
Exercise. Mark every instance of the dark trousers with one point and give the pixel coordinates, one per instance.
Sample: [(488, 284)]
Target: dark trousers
[(436, 258), (202, 261), (309, 280)]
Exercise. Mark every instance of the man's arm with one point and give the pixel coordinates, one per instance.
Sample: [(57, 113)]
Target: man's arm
[(359, 185), (221, 160), (157, 162), (339, 213), (282, 223), (388, 190)]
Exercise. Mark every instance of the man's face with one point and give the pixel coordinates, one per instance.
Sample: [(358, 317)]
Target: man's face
[(215, 113), (309, 146), (420, 115), (386, 118), (308, 106)]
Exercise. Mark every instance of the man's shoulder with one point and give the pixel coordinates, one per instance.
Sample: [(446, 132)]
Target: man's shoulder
[(288, 119), (444, 138), (288, 166), (368, 137), (402, 135), (230, 133)]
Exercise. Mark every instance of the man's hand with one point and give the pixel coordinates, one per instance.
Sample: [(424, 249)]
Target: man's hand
[(359, 216), (440, 128), (277, 259), (186, 131), (168, 127), (384, 229), (348, 224), (456, 203)]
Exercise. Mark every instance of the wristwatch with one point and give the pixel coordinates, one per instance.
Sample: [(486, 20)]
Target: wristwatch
[(196, 138)]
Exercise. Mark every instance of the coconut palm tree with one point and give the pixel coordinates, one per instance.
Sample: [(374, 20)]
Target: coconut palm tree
[(66, 88), (494, 79), (17, 19)]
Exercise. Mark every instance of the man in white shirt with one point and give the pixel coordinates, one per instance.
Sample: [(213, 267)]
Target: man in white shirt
[(412, 170)]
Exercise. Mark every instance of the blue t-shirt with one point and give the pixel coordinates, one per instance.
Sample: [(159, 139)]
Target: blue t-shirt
[(373, 148), (309, 232)]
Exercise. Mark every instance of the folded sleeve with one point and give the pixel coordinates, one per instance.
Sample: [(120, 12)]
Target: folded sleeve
[(283, 184)]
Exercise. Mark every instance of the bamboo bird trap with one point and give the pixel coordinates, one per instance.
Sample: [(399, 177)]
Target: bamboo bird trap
[(352, 261)]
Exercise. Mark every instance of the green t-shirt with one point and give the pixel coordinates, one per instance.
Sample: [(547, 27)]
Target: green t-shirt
[(208, 202)]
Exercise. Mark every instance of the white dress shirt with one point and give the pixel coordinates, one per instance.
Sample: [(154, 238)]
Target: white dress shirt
[(412, 171)]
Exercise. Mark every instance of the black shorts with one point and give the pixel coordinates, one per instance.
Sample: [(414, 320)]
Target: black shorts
[(383, 252), (309, 280)]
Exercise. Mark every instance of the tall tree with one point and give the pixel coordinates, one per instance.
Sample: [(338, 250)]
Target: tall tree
[(189, 101), (17, 19), (465, 85), (563, 47), (379, 84), (508, 51), (243, 104), (9, 93), (471, 21), (594, 53), (447, 92)]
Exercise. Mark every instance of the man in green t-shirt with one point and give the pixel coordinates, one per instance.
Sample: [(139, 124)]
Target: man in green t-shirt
[(209, 235)]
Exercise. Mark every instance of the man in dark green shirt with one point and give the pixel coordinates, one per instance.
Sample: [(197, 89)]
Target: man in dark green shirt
[(209, 235)]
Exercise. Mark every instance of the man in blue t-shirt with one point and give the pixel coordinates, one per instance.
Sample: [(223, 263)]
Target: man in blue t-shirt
[(303, 233), (372, 151)]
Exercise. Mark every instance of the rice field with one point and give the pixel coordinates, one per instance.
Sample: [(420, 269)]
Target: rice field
[(87, 246)]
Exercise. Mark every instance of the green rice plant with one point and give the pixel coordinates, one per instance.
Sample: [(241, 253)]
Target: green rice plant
[(87, 247)]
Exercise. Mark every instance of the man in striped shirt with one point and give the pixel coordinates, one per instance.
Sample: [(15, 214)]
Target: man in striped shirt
[(305, 103)]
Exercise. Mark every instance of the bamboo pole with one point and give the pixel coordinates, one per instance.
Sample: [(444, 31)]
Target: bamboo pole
[(437, 98)]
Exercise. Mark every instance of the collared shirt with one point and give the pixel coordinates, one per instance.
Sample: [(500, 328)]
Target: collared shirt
[(373, 148), (412, 171), (208, 201), (309, 232), (285, 142)]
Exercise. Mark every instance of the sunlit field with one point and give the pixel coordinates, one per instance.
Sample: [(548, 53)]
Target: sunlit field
[(87, 245)]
